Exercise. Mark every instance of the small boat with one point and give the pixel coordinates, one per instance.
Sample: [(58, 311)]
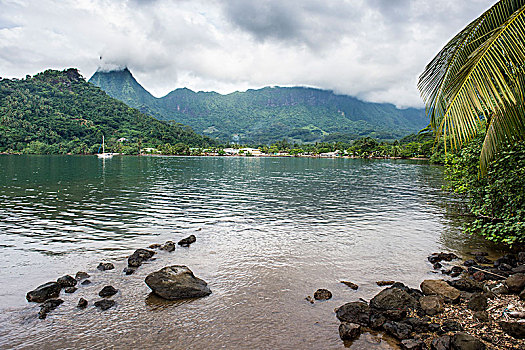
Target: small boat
[(104, 155)]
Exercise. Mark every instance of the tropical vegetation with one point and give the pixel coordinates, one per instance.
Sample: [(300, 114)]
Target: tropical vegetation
[(59, 112)]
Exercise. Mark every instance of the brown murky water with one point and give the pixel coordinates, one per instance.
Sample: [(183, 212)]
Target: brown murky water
[(269, 232)]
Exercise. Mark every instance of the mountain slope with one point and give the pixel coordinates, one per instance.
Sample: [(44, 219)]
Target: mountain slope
[(62, 109), (269, 114)]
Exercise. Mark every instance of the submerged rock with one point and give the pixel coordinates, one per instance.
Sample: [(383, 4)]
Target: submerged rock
[(67, 281), (139, 256), (104, 304), (82, 303), (108, 291), (85, 282), (81, 275), (185, 242), (349, 331), (322, 294), (169, 246), (44, 292), (129, 270), (105, 266), (177, 282), (442, 288), (351, 285), (48, 306), (482, 260), (309, 299)]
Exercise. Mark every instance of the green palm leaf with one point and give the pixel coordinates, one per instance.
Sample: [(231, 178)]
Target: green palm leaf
[(478, 78)]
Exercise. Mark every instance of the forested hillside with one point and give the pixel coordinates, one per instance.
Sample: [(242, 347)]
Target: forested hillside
[(269, 114), (59, 112)]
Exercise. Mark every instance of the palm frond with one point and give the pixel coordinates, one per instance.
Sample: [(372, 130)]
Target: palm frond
[(477, 76)]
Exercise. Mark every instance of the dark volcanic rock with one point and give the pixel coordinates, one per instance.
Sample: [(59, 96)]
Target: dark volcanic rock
[(464, 341), (437, 266), (70, 290), (377, 320), (478, 302), (482, 260), (354, 312), (451, 326), (155, 246), (522, 294), (437, 257), (48, 306), (108, 291), (185, 242), (432, 304), (349, 331), (509, 259), (104, 304), (139, 256), (505, 267), (169, 246), (351, 285), (398, 329), (419, 325), (82, 303), (516, 282), (129, 270), (519, 269), (393, 299), (412, 344), (81, 275), (105, 266), (385, 283), (482, 316), (514, 329), (470, 262), (466, 285), (521, 257), (322, 294), (43, 292), (441, 343), (66, 281), (85, 282), (441, 288), (177, 282)]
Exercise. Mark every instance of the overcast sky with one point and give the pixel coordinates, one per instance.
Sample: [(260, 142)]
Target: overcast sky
[(372, 49)]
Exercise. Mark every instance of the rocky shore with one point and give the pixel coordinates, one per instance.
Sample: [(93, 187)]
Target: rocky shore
[(171, 282), (482, 306)]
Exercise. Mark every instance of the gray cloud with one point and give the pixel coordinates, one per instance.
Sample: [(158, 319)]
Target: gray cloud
[(372, 49)]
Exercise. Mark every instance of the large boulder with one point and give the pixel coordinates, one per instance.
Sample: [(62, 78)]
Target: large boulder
[(516, 282), (478, 302), (441, 288), (45, 291), (398, 329), (466, 284), (464, 341), (177, 282), (412, 344), (354, 312), (139, 256), (393, 299), (441, 343)]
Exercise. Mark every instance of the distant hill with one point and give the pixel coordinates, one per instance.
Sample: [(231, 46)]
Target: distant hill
[(261, 116), (59, 112)]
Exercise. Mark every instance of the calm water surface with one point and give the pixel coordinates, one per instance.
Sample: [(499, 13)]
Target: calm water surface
[(270, 231)]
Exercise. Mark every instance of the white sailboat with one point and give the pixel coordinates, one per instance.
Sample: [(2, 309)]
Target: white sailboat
[(104, 155)]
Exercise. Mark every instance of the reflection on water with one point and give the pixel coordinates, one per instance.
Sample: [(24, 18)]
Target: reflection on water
[(269, 232)]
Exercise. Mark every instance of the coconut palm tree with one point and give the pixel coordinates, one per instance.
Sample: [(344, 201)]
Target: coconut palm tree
[(478, 78)]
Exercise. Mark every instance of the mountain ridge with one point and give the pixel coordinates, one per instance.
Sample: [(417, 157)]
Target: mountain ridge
[(301, 114)]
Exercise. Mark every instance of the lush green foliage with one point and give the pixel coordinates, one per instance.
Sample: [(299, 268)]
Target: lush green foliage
[(478, 77), (269, 114), (59, 112), (496, 200)]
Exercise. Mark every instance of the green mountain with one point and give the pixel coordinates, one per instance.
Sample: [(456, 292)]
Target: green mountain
[(262, 116), (59, 112)]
